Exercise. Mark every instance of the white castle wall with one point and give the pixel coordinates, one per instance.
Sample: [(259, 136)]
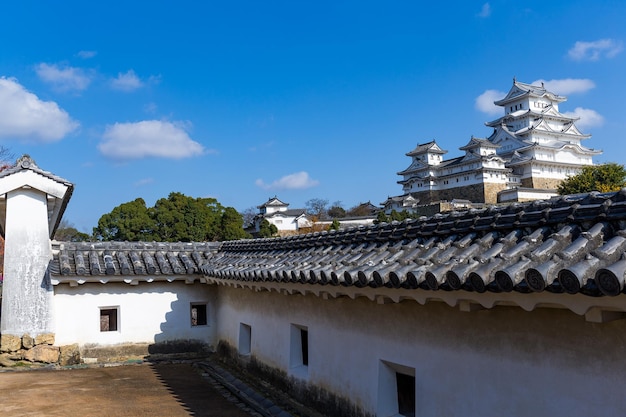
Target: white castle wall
[(148, 312), (501, 361), (27, 292)]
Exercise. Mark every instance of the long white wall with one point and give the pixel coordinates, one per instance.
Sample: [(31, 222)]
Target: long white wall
[(501, 361), (148, 312)]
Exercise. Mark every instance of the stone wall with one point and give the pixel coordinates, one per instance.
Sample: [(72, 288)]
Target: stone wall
[(39, 349), (541, 183), (476, 193)]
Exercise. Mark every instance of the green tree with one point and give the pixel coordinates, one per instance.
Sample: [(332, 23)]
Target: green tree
[(180, 218), (66, 232), (129, 221), (177, 218), (604, 178), (336, 211), (232, 225), (267, 229), (335, 225), (381, 217)]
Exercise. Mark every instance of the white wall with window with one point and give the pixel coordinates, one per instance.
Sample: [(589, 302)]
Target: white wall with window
[(114, 313), (390, 357)]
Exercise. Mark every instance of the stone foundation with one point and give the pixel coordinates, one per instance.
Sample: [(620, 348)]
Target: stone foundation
[(39, 349)]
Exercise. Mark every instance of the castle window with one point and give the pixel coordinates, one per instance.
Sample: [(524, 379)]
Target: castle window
[(245, 339), (299, 350), (198, 314), (396, 390), (108, 319)]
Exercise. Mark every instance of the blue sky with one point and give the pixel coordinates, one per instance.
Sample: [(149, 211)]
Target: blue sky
[(244, 100)]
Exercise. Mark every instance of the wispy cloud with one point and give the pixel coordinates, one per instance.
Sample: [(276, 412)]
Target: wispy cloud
[(150, 108), (588, 118), (128, 81), (297, 181), (484, 102), (63, 78), (262, 146), (143, 181), (86, 54), (148, 138), (485, 11), (593, 51), (23, 115), (567, 85)]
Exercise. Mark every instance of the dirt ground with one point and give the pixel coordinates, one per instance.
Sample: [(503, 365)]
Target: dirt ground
[(168, 389)]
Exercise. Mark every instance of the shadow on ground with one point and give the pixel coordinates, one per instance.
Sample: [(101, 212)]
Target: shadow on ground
[(196, 394)]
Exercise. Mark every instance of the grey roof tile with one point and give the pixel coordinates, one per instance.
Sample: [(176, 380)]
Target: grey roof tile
[(574, 244)]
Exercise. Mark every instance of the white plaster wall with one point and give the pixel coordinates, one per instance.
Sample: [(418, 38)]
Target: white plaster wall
[(283, 222), (27, 292), (497, 362), (148, 312)]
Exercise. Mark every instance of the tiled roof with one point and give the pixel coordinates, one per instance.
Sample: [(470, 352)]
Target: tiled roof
[(288, 213), (81, 262), (572, 244)]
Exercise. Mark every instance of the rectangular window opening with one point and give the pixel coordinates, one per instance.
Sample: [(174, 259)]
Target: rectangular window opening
[(396, 390), (299, 351), (108, 319), (198, 315), (405, 385), (245, 339), (304, 345)]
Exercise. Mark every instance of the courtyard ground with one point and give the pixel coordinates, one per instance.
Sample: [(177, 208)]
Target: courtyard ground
[(146, 389)]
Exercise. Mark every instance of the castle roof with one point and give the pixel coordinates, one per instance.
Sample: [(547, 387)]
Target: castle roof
[(429, 147), (520, 90), (26, 173), (273, 202)]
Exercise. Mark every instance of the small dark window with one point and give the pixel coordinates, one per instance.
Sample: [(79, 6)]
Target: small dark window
[(304, 343), (108, 319), (406, 394), (198, 315)]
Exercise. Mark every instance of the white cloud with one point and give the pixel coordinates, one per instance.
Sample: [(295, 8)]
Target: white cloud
[(23, 115), (485, 11), (297, 181), (63, 78), (567, 85), (588, 118), (148, 138), (86, 54), (593, 51), (484, 102), (127, 81)]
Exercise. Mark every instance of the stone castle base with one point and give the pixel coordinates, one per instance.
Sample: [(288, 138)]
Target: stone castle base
[(478, 193)]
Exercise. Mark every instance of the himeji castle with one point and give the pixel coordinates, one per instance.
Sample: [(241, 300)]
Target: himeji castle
[(532, 148)]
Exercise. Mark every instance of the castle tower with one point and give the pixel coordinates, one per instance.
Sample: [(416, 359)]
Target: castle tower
[(543, 146), (32, 202)]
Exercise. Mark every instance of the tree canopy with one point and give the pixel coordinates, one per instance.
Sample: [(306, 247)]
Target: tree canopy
[(604, 178), (66, 232), (177, 218)]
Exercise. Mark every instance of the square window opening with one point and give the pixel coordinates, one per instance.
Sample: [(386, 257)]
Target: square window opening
[(108, 319), (198, 315)]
